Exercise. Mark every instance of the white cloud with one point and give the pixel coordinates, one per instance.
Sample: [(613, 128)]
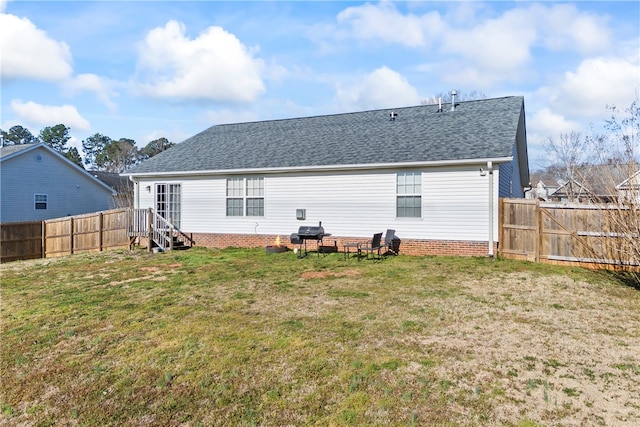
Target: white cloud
[(102, 88), (579, 98), (214, 66), (497, 45), (548, 123), (381, 88), (477, 47), (565, 28), (28, 52), (596, 82), (383, 22), (3, 5), (34, 114)]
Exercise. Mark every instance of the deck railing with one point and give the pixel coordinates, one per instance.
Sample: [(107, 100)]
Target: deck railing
[(147, 223)]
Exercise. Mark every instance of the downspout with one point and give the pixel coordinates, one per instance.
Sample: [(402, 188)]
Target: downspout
[(490, 174), (136, 189)]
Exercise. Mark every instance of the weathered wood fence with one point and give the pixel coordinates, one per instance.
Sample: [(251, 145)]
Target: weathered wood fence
[(64, 236), (595, 236), (20, 240), (86, 233)]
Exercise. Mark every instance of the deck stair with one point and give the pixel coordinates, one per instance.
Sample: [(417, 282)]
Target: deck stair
[(159, 232)]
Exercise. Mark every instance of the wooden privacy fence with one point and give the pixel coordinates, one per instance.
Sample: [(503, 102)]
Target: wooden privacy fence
[(597, 236), (20, 240), (117, 228), (64, 236), (86, 233)]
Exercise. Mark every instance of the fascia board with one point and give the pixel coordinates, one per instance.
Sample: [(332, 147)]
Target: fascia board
[(329, 168)]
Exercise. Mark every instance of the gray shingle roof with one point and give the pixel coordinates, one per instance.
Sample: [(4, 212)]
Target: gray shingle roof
[(114, 180), (483, 129), (11, 149)]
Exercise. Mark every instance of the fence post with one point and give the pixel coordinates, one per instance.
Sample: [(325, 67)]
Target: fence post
[(100, 232), (537, 213), (149, 229), (44, 239), (71, 235)]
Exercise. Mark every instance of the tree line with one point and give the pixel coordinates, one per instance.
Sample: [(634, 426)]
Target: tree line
[(100, 151)]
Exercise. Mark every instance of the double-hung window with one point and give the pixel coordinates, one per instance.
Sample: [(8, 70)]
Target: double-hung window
[(245, 197), (409, 195), (40, 201)]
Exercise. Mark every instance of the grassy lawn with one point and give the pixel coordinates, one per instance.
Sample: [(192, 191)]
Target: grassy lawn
[(241, 337)]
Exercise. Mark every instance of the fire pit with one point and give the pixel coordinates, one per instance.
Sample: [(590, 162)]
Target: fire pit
[(277, 247)]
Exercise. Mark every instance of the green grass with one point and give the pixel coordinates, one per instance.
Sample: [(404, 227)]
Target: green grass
[(240, 337)]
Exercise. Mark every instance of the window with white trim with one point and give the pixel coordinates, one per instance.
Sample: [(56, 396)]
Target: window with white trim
[(409, 195), (245, 196), (168, 203), (40, 201)]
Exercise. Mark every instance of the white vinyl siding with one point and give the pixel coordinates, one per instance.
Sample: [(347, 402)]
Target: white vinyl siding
[(354, 203)]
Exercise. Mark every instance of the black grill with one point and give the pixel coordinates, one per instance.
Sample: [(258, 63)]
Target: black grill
[(311, 232), (308, 232)]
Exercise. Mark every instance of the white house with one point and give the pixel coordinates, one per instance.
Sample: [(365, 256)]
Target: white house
[(38, 183), (432, 174)]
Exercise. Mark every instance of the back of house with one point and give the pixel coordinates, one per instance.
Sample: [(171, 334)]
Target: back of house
[(432, 174)]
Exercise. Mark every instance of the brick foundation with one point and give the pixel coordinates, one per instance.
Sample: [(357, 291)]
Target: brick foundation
[(407, 246)]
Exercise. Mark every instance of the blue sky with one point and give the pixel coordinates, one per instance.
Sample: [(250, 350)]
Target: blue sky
[(145, 69)]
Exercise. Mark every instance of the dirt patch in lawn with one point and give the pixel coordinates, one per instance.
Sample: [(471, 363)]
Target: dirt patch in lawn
[(323, 274)]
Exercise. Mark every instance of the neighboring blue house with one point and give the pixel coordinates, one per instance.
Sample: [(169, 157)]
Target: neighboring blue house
[(432, 174), (38, 183)]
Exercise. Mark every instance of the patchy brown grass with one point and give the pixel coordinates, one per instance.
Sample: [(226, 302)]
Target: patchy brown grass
[(239, 337)]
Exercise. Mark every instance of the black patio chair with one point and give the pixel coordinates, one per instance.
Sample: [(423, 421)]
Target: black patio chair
[(388, 242), (371, 247)]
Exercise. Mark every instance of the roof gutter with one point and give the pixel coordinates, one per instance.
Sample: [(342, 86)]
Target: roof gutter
[(327, 168)]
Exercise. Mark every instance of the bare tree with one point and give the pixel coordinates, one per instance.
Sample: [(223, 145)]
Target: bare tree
[(618, 145), (570, 155)]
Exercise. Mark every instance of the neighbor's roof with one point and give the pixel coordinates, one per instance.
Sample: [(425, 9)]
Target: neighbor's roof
[(483, 129), (114, 180), (14, 151), (8, 150)]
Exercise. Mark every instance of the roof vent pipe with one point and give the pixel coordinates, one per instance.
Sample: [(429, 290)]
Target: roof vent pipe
[(453, 100), (440, 104)]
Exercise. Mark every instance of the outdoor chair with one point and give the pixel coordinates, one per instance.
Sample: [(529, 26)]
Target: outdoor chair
[(388, 242), (371, 247)]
